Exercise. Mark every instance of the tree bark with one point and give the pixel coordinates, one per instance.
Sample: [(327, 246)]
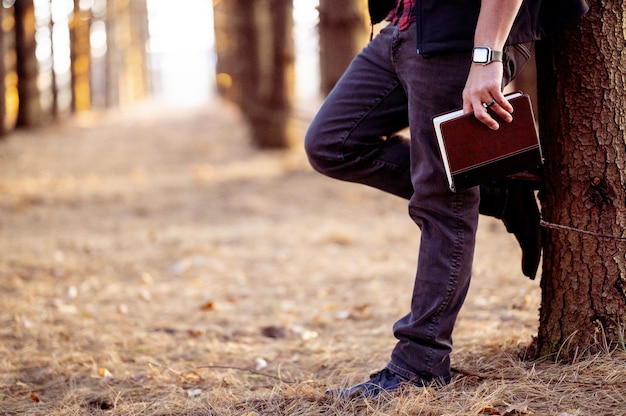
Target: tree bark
[(582, 113), (29, 113), (344, 30)]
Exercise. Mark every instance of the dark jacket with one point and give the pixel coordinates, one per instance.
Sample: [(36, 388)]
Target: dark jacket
[(449, 25)]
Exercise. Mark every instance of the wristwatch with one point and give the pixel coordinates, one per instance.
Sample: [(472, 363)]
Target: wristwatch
[(484, 55)]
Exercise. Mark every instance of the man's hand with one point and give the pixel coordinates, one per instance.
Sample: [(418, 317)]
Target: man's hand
[(482, 87), (484, 82)]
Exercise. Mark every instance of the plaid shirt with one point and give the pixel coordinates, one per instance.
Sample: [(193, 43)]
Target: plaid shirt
[(401, 15)]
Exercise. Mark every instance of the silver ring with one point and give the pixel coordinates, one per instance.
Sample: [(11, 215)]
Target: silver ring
[(493, 101)]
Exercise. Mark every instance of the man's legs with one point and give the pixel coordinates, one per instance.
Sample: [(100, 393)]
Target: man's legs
[(447, 220), (350, 140)]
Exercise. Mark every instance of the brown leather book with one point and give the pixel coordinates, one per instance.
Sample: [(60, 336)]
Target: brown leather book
[(473, 154)]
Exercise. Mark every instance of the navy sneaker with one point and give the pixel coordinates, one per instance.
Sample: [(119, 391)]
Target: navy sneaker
[(384, 381)]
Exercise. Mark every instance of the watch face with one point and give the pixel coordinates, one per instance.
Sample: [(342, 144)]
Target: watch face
[(481, 55)]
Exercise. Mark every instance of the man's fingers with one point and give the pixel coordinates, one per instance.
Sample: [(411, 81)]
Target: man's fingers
[(480, 112), (499, 106)]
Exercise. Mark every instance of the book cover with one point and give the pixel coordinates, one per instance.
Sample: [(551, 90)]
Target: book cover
[(472, 153)]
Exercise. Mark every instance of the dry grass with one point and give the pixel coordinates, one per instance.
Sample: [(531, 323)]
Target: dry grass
[(154, 264)]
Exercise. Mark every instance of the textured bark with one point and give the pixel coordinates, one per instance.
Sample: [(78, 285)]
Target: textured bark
[(344, 29), (582, 120)]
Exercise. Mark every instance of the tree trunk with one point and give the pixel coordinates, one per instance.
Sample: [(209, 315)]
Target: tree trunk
[(255, 65), (8, 74), (29, 113), (3, 106), (80, 52), (137, 61), (227, 21), (582, 119), (272, 74), (126, 65), (344, 29)]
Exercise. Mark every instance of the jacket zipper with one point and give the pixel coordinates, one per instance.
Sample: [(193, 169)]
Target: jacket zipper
[(418, 25)]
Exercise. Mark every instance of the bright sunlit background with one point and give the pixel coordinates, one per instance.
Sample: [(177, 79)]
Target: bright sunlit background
[(181, 51)]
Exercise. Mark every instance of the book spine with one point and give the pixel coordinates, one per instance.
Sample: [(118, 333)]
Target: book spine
[(523, 160)]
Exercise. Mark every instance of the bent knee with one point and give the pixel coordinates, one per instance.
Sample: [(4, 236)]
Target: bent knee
[(323, 152)]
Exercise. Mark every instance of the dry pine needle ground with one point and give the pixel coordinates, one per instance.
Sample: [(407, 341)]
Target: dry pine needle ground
[(155, 264)]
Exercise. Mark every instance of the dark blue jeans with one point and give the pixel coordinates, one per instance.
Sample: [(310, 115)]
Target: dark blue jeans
[(388, 87)]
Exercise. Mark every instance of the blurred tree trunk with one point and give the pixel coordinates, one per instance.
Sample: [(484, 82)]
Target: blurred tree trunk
[(8, 74), (29, 113), (126, 66), (80, 52), (3, 106), (137, 64), (269, 77), (116, 42), (228, 69), (344, 30), (582, 120), (256, 65), (54, 86)]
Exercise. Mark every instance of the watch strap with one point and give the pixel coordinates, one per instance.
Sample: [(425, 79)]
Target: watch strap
[(496, 56)]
